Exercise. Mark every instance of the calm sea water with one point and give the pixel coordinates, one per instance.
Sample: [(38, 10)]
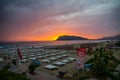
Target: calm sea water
[(45, 43)]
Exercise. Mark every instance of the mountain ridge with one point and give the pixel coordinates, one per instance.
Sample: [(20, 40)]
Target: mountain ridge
[(115, 37), (68, 37)]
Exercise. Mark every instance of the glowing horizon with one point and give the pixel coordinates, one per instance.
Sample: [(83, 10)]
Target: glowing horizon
[(52, 38)]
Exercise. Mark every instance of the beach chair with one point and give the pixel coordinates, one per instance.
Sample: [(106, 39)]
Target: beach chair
[(51, 67), (59, 63), (46, 60), (36, 62)]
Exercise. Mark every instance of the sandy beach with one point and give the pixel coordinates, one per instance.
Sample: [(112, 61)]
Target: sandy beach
[(49, 52)]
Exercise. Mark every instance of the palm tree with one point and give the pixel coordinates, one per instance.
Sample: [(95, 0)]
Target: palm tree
[(100, 63)]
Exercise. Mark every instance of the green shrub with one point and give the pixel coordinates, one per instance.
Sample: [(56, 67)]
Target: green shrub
[(117, 43), (101, 63), (7, 75), (31, 68), (14, 62)]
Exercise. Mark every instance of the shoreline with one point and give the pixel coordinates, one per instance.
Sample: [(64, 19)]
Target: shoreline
[(49, 43)]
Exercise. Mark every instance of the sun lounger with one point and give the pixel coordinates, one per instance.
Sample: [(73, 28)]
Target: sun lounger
[(59, 63), (53, 54), (64, 55), (24, 60), (51, 67), (24, 57), (40, 56), (46, 55), (58, 57), (72, 59), (46, 60), (32, 55), (33, 58), (52, 58), (65, 61)]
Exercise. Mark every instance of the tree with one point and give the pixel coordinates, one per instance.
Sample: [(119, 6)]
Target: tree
[(31, 68), (100, 63), (117, 43)]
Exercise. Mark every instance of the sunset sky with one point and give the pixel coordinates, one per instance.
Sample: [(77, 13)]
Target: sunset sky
[(28, 20)]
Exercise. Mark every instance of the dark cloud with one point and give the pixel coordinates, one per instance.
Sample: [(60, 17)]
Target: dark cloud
[(22, 15)]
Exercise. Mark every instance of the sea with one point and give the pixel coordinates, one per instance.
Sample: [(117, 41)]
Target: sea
[(12, 44)]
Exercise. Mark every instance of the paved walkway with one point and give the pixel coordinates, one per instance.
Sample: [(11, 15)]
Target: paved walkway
[(3, 63), (117, 69), (38, 75), (42, 76)]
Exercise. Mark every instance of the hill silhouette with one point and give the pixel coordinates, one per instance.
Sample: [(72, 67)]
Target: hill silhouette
[(67, 37)]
